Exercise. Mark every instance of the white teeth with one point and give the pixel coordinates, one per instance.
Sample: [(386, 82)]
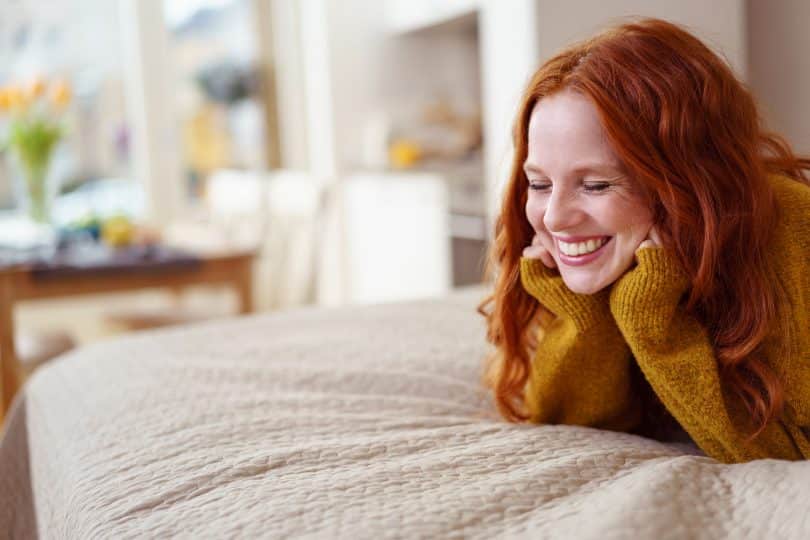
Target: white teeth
[(581, 248)]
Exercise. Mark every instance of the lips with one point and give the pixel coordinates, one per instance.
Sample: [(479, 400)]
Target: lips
[(573, 244)]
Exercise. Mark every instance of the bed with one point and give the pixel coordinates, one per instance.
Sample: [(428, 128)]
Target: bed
[(361, 422)]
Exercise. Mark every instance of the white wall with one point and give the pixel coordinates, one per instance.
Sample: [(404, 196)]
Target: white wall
[(289, 77), (779, 67), (340, 43), (720, 23), (510, 53), (318, 87), (418, 68), (354, 33)]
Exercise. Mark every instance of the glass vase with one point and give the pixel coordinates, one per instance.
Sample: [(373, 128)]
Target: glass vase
[(36, 185)]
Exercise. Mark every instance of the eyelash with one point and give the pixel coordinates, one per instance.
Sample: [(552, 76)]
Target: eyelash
[(593, 187)]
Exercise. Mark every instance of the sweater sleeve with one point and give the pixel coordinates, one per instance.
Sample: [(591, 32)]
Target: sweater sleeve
[(677, 358), (580, 372)]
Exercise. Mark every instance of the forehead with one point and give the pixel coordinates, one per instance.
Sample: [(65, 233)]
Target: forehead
[(564, 132)]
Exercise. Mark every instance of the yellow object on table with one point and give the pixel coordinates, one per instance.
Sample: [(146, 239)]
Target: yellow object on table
[(404, 154), (117, 231)]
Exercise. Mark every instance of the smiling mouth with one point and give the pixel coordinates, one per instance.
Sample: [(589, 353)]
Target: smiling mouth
[(591, 251), (583, 247)]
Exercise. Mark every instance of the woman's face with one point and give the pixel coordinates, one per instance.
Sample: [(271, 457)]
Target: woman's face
[(588, 214)]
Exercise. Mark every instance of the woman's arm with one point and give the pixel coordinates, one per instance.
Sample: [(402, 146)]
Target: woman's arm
[(580, 372), (676, 356)]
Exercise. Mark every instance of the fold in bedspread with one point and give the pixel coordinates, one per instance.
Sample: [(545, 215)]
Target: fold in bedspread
[(361, 422)]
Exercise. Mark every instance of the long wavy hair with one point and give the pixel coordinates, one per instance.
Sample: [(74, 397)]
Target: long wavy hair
[(690, 134)]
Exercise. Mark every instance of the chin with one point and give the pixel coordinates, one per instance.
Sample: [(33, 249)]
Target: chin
[(584, 288), (584, 280), (584, 284)]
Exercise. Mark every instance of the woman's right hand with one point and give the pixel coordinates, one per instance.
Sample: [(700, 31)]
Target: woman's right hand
[(544, 283), (538, 251)]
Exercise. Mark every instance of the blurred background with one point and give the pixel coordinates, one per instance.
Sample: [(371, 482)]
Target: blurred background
[(356, 148)]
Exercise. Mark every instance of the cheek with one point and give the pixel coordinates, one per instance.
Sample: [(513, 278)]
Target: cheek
[(628, 219), (535, 211), (629, 236)]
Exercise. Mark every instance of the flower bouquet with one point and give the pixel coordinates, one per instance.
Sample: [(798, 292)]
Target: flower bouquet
[(34, 130)]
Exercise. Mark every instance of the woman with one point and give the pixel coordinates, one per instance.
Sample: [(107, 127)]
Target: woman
[(652, 254)]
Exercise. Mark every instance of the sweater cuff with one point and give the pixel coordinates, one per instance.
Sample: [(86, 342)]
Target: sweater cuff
[(652, 289), (547, 286)]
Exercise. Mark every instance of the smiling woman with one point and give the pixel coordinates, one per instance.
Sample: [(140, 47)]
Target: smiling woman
[(651, 234)]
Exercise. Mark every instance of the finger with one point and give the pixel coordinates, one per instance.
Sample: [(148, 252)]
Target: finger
[(539, 252), (547, 259), (646, 244), (533, 252)]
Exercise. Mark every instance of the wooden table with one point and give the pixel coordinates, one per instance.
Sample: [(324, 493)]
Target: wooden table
[(21, 282)]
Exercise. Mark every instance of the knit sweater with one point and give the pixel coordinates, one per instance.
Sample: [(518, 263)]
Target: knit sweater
[(582, 370)]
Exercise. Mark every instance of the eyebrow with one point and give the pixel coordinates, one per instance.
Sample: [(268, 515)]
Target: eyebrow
[(588, 167)]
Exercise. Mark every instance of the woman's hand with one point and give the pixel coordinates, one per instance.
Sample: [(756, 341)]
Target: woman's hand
[(653, 240), (538, 251), (657, 281)]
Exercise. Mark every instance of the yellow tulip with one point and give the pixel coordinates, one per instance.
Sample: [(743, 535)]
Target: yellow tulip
[(17, 100), (37, 88), (4, 103), (60, 94)]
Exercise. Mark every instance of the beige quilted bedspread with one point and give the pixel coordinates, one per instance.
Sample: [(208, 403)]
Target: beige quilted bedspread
[(365, 422)]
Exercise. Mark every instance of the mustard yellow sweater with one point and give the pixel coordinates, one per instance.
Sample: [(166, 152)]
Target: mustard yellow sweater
[(582, 372)]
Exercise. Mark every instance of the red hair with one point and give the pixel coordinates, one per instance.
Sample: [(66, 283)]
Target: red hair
[(689, 132)]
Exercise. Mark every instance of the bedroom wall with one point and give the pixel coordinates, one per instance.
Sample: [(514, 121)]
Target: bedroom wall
[(720, 23), (779, 69)]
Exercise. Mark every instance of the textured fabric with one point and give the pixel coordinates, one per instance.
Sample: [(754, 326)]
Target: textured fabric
[(366, 422), (674, 351)]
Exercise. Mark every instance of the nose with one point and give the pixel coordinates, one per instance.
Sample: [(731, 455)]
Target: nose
[(561, 212)]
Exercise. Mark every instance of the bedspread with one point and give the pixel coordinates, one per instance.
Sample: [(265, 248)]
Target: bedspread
[(361, 422)]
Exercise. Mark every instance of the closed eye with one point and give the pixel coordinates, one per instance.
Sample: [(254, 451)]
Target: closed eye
[(596, 186), (539, 185)]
